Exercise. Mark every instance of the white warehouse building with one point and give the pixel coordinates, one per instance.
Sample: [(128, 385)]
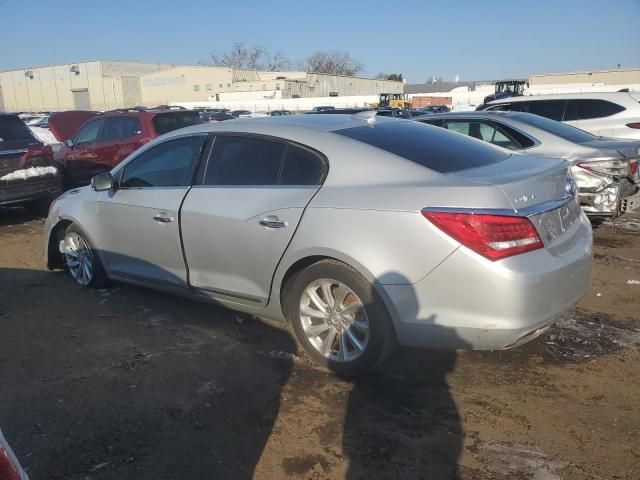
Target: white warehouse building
[(108, 85)]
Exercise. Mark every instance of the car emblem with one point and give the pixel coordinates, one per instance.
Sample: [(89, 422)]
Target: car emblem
[(525, 198)]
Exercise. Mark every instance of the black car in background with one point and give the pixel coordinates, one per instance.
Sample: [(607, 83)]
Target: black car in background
[(212, 116), (28, 176)]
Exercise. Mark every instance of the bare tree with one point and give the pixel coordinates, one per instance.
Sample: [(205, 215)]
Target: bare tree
[(334, 63), (251, 58), (278, 62), (389, 76)]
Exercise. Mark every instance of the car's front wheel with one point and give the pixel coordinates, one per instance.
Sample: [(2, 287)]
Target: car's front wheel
[(82, 260), (339, 318)]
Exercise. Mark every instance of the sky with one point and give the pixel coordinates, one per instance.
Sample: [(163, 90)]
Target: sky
[(477, 40)]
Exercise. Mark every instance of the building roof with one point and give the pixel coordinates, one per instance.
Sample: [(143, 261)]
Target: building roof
[(587, 72)]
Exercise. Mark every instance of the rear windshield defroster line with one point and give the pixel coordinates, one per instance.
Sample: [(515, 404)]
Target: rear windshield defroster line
[(432, 147)]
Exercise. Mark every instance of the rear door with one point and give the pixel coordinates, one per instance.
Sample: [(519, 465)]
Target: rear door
[(139, 220), (238, 222)]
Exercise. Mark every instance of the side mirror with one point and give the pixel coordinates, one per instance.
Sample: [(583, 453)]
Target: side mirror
[(102, 182), (69, 142)]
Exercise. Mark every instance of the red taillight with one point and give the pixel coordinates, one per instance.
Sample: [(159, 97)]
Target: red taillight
[(634, 167), (492, 236), (38, 156), (633, 125), (8, 471)]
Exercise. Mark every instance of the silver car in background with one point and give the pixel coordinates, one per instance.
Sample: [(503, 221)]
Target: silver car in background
[(604, 169), (361, 232)]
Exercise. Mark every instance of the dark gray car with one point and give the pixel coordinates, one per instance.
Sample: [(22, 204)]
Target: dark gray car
[(605, 169)]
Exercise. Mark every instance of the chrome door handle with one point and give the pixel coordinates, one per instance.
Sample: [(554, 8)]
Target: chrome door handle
[(161, 219), (271, 222)]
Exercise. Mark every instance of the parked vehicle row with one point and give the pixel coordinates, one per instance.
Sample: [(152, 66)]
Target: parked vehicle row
[(95, 143), (605, 169), (615, 114), (361, 231)]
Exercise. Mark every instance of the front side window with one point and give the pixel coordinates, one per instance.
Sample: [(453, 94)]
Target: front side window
[(169, 164), (88, 133), (238, 160)]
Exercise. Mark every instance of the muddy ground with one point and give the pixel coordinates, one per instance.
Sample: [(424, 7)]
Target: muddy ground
[(125, 383)]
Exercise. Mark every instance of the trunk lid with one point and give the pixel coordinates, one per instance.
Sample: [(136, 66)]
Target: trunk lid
[(526, 181), (64, 125), (540, 188), (626, 148)]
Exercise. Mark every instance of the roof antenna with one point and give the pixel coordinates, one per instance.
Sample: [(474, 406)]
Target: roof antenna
[(368, 116)]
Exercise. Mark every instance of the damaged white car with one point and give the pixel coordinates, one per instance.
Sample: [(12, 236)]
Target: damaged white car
[(605, 169)]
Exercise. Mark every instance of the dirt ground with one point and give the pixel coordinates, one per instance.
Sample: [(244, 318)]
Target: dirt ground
[(125, 383)]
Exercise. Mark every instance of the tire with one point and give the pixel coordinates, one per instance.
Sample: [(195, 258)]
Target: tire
[(350, 333), (38, 208), (82, 260)]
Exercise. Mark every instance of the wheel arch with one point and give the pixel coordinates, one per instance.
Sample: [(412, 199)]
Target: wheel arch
[(298, 263), (55, 260)]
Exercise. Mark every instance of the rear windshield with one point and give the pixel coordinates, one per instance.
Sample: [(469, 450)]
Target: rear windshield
[(560, 129), (431, 147), (14, 129), (166, 122)]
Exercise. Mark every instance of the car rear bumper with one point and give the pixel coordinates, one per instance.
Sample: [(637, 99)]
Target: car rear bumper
[(18, 191), (470, 302)]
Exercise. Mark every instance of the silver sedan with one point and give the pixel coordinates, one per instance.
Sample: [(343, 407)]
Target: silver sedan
[(604, 169), (361, 232)]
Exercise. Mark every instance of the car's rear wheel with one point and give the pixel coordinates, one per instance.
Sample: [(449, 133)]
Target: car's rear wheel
[(339, 318), (82, 260)]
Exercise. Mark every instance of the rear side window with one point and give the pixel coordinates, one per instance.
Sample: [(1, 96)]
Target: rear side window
[(433, 148), (302, 167), (169, 164), (14, 129), (167, 122), (120, 128), (238, 160), (553, 109), (482, 131), (588, 109), (522, 139)]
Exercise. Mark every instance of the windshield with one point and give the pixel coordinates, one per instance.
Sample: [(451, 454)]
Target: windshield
[(560, 129), (432, 147)]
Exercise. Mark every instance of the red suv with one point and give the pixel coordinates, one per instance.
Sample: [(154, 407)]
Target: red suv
[(94, 143)]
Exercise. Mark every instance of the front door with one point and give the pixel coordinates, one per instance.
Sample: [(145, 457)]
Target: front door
[(139, 220), (80, 161), (237, 223)]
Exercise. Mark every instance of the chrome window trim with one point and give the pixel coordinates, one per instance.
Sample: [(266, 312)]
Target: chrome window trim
[(507, 212)]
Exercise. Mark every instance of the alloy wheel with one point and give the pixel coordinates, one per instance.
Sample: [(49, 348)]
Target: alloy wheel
[(79, 258), (334, 320)]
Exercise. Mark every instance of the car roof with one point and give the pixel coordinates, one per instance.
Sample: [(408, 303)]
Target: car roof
[(613, 96), (283, 124)]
